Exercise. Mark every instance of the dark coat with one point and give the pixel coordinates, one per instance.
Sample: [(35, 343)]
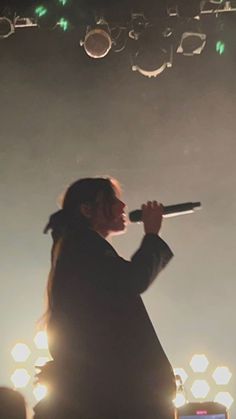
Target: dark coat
[(108, 361)]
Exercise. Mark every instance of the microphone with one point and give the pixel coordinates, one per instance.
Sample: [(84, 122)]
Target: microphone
[(168, 211)]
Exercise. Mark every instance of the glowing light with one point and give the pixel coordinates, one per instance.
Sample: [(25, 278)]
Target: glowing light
[(224, 398), (222, 375), (182, 373), (64, 24), (40, 391), (41, 361), (200, 389), (40, 11), (20, 378), (180, 400), (220, 47), (199, 363), (62, 2), (20, 352), (41, 340)]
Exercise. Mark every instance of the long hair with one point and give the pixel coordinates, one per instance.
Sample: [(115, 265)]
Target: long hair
[(90, 191)]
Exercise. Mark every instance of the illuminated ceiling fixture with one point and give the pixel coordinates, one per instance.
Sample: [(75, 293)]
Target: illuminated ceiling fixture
[(199, 363), (97, 42), (225, 398), (200, 389), (6, 27), (153, 52), (20, 352), (222, 375)]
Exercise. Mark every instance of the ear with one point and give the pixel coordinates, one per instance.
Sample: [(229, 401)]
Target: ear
[(86, 210)]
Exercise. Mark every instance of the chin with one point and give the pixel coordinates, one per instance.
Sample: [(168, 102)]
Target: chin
[(121, 229)]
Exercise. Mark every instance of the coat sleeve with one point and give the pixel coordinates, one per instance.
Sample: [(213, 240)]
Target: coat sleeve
[(112, 272)]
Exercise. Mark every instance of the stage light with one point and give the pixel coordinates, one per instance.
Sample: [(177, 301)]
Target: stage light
[(154, 52), (46, 15), (41, 11), (180, 400), (20, 378), (222, 375), (64, 24), (191, 43), (41, 340), (200, 389), (199, 363), (20, 352), (41, 361), (182, 373), (97, 42), (40, 391), (6, 27), (225, 398), (220, 47)]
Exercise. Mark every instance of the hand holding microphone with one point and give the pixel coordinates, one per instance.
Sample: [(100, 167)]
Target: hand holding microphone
[(152, 213)]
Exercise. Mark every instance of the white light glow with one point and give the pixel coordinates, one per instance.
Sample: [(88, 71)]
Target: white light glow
[(40, 391), (200, 389), (41, 361), (225, 398), (180, 400), (41, 340), (199, 363), (20, 352), (222, 375), (20, 378)]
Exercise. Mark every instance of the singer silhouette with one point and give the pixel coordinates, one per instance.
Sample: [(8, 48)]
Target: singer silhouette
[(107, 360)]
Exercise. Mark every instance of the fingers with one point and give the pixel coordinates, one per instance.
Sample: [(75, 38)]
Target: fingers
[(152, 213), (153, 205)]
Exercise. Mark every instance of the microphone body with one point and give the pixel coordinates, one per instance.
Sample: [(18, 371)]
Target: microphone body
[(168, 211)]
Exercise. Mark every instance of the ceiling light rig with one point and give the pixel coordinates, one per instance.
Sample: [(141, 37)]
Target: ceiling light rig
[(153, 51), (6, 27), (97, 41), (151, 41)]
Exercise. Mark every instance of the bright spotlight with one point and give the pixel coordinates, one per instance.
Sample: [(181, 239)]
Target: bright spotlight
[(6, 27), (199, 363), (20, 352), (222, 375), (41, 340), (20, 378), (40, 391), (200, 389), (97, 42), (180, 400), (225, 398), (182, 373)]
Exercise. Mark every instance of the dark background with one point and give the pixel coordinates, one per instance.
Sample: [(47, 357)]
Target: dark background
[(65, 116)]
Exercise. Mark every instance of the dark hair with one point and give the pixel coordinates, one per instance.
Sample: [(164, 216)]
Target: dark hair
[(12, 404), (90, 191)]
